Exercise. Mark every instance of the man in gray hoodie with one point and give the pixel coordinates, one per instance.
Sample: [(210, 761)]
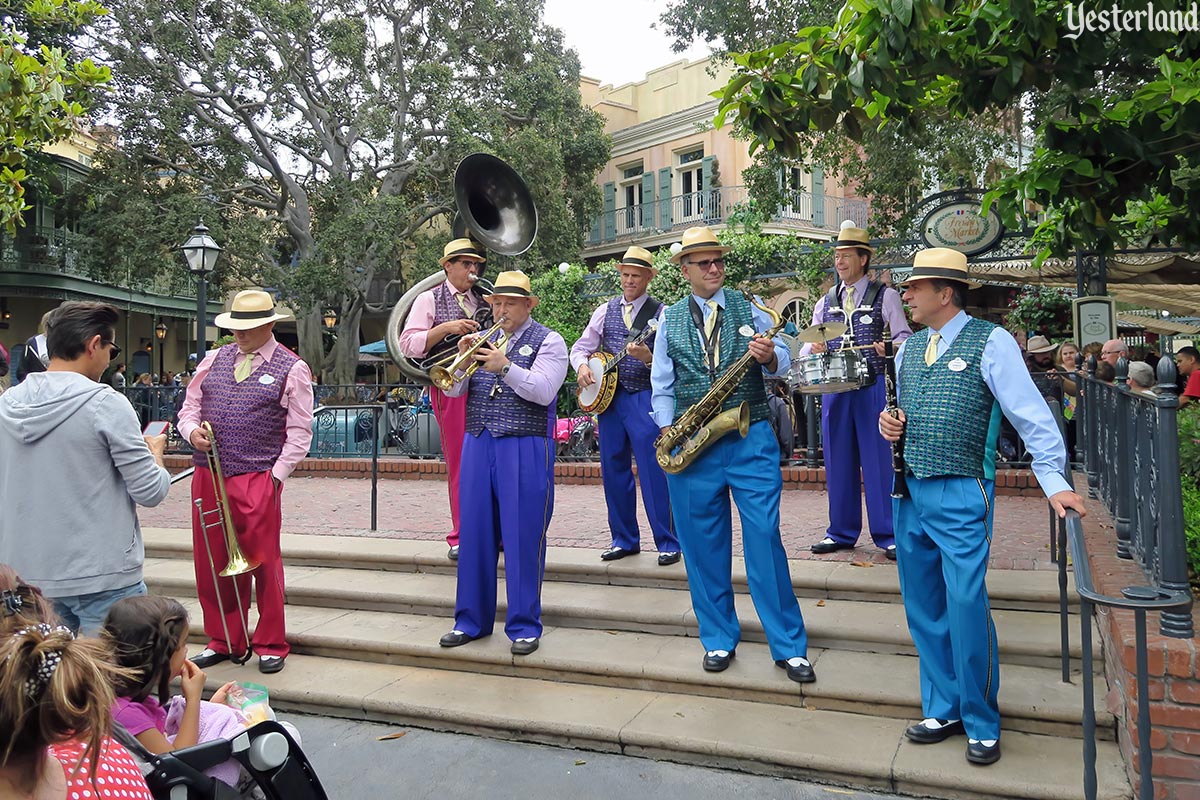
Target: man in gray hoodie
[(73, 464)]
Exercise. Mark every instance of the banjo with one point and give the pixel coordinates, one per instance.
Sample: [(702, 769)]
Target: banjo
[(597, 397)]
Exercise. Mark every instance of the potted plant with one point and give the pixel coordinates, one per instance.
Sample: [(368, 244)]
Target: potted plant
[(1040, 309)]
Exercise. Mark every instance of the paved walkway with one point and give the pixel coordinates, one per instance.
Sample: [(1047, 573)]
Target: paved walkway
[(420, 510)]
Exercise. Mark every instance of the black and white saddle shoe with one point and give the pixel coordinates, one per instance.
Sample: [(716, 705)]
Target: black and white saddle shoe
[(932, 731)]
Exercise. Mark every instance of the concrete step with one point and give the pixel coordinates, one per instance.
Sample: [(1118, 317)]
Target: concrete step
[(759, 737), (862, 580), (1032, 699), (1025, 637)]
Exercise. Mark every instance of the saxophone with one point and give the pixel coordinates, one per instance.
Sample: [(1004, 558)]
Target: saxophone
[(704, 423)]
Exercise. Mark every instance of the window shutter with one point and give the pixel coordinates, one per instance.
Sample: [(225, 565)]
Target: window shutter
[(664, 198), (818, 197), (710, 199), (610, 211), (647, 211)]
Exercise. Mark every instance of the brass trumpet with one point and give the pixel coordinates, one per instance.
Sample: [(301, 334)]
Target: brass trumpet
[(237, 563), (443, 377)]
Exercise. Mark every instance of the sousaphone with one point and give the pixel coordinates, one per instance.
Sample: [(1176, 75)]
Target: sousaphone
[(495, 208)]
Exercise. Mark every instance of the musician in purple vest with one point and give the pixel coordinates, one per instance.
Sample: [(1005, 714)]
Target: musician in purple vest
[(257, 395), (856, 456), (626, 429), (507, 478), (448, 309)]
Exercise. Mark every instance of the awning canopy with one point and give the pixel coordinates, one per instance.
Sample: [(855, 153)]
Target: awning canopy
[(1163, 327)]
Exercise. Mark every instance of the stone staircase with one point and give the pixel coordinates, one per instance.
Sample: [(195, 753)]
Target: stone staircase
[(619, 668)]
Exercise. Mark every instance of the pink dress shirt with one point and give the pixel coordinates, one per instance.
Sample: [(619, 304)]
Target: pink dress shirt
[(893, 312), (420, 320), (538, 384), (589, 341), (297, 399)]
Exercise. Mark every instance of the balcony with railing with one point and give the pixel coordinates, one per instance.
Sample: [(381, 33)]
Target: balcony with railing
[(804, 211), (41, 256)]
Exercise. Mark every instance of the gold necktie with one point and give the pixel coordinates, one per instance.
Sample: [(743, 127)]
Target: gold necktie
[(462, 303), (243, 370), (710, 325), (931, 348), (627, 311), (849, 304)]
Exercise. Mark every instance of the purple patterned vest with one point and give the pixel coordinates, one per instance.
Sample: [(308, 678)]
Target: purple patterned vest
[(864, 332), (507, 414), (445, 307), (632, 375), (247, 419)]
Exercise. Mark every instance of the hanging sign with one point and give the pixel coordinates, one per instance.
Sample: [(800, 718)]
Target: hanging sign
[(959, 226)]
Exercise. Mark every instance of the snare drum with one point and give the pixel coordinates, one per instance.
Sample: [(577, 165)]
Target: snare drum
[(832, 372)]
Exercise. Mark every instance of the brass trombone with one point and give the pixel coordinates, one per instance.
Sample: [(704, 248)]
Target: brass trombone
[(237, 563), (443, 377)]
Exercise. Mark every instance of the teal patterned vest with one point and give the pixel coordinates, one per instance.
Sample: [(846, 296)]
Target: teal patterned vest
[(691, 375), (953, 417)]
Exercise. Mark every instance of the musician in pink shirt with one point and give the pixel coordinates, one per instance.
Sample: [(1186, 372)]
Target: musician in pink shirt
[(257, 396), (447, 310), (626, 430)]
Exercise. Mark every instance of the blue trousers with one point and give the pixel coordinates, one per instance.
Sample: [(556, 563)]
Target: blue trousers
[(749, 469), (628, 432), (856, 456), (507, 484), (943, 538)]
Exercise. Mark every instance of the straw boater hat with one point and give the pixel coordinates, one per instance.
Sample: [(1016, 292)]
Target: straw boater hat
[(1039, 344), (851, 236), (699, 238), (637, 257), (943, 263), (515, 283), (250, 309), (461, 247)]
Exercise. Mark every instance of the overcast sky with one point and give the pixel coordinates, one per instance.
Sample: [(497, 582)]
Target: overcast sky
[(614, 39)]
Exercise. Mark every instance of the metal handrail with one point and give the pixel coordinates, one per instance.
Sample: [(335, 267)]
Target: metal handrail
[(1139, 599)]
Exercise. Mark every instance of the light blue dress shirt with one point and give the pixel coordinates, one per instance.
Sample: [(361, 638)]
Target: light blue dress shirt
[(1005, 373), (662, 369)]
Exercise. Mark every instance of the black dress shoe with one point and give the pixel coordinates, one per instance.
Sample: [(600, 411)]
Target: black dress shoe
[(455, 638), (800, 673), (715, 662), (270, 664), (979, 753), (921, 734), (667, 559), (208, 657), (453, 553), (828, 545), (614, 553), (890, 553), (523, 648)]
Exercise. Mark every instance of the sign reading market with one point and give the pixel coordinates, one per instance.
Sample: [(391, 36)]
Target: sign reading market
[(960, 226)]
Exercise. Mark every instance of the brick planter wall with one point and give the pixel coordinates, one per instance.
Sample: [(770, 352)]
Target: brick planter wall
[(1018, 482), (1173, 666)]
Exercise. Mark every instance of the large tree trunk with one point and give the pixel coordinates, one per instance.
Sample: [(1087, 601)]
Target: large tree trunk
[(309, 331)]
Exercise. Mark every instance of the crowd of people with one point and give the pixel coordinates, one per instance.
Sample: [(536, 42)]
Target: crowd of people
[(686, 375)]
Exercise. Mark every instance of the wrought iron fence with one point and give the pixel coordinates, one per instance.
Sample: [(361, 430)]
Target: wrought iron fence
[(1131, 454)]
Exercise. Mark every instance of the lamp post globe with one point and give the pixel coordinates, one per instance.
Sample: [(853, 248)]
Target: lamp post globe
[(160, 333), (201, 252)]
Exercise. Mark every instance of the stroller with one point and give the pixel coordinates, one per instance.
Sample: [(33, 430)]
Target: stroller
[(277, 765)]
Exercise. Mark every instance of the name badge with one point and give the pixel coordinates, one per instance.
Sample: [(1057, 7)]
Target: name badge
[(957, 365), (266, 380), (747, 331), (865, 319), (526, 350)]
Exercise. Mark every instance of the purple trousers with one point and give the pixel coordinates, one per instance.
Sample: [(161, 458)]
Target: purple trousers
[(857, 457)]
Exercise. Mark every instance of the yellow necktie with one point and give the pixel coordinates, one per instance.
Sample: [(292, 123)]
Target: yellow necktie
[(931, 348), (710, 325), (462, 303), (244, 369), (627, 311), (849, 304)]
